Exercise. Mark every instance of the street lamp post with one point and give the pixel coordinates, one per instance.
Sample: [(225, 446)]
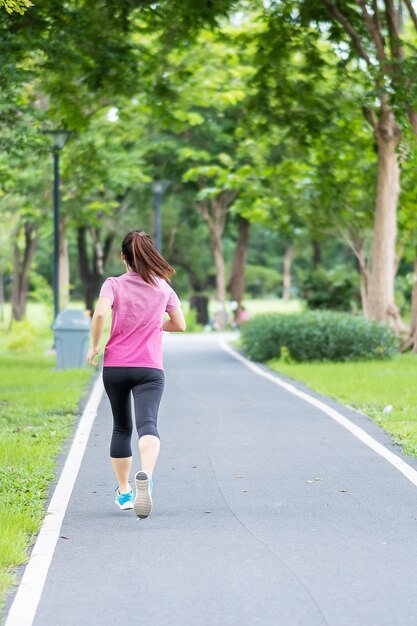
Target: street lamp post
[(159, 187), (59, 139)]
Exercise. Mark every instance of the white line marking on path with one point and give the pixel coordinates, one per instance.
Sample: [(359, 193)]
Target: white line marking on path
[(408, 471), (22, 612)]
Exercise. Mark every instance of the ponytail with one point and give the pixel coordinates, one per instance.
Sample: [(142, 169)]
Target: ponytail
[(144, 259)]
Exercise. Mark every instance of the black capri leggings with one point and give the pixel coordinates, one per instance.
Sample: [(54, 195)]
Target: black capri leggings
[(146, 385)]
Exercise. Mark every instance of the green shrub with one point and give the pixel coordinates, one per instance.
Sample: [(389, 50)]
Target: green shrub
[(41, 291), (261, 281), (317, 336), (336, 289), (21, 337)]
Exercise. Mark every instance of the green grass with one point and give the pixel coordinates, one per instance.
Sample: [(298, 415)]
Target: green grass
[(369, 387), (37, 407)]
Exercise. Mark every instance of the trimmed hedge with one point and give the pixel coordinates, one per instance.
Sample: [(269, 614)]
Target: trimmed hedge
[(317, 336)]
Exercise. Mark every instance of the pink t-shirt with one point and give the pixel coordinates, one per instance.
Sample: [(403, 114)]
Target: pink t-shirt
[(137, 316)]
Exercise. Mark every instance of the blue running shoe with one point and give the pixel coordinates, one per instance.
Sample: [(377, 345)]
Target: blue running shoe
[(124, 500), (143, 499)]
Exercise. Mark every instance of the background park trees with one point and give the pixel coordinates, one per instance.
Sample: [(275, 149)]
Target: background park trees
[(295, 119)]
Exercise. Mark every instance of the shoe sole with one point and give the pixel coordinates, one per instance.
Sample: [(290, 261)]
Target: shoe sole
[(143, 500), (127, 506)]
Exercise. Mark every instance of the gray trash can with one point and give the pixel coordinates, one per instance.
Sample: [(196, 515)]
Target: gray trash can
[(72, 336)]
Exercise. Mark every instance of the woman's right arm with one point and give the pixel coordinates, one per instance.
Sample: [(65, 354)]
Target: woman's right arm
[(103, 306), (176, 322)]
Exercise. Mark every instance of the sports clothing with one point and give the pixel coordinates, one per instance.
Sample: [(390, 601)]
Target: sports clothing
[(137, 317), (146, 385)]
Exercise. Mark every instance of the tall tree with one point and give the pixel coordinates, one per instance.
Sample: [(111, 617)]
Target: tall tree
[(372, 32), (299, 47), (26, 196), (237, 278), (408, 230), (101, 168), (205, 130)]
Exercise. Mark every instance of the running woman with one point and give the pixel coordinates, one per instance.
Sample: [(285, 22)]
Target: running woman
[(133, 360)]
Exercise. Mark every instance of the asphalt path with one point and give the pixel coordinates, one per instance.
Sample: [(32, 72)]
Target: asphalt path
[(266, 511)]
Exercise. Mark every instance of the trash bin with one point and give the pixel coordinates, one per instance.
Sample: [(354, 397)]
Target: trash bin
[(72, 336)]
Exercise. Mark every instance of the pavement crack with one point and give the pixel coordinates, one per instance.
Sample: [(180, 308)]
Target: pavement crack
[(266, 546)]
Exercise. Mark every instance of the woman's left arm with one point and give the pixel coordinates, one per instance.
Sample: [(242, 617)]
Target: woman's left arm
[(98, 323)]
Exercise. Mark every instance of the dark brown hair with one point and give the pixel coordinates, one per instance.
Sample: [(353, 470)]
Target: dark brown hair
[(143, 258)]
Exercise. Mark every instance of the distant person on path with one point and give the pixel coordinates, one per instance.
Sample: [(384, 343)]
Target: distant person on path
[(242, 315), (133, 359)]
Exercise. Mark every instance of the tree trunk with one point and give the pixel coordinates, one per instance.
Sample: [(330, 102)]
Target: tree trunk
[(220, 269), (214, 212), (21, 270), (108, 241), (89, 276), (288, 257), (220, 280), (381, 299), (64, 276), (91, 270), (412, 339), (98, 251), (237, 279), (317, 258), (199, 303), (363, 281)]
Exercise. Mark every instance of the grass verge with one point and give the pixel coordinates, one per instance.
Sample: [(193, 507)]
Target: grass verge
[(384, 390), (37, 407)]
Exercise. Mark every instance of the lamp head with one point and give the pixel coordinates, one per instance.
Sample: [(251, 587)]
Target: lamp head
[(58, 137), (160, 186)]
